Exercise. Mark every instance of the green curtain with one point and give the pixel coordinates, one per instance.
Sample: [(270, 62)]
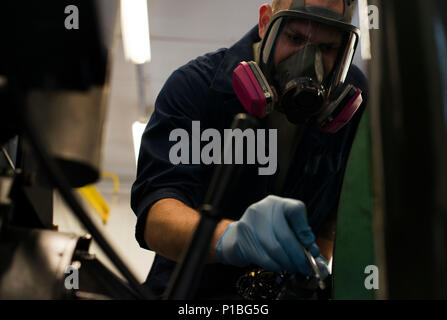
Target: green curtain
[(354, 249)]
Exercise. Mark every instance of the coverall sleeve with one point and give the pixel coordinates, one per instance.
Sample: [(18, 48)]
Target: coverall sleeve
[(181, 101)]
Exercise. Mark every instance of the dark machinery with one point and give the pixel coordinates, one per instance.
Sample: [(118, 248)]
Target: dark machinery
[(409, 126), (53, 90)]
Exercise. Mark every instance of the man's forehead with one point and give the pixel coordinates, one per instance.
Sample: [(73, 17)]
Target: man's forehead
[(336, 5)]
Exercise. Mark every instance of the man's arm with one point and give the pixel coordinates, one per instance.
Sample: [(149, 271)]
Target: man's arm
[(170, 225)]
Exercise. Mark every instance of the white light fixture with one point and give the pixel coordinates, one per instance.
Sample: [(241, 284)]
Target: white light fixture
[(137, 132), (135, 31), (364, 30)]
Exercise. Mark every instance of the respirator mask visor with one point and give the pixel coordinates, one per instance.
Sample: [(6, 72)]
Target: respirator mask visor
[(306, 59)]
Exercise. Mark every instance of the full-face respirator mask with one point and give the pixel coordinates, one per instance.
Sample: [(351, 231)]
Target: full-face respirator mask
[(304, 59)]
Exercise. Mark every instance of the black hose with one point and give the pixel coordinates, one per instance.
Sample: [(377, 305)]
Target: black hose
[(185, 280)]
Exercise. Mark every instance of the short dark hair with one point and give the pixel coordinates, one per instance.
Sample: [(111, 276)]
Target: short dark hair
[(276, 4)]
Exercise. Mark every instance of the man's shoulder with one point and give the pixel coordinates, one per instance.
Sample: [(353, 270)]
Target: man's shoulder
[(201, 70), (188, 90), (214, 69)]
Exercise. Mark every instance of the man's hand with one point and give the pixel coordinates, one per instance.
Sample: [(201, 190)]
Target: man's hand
[(271, 234)]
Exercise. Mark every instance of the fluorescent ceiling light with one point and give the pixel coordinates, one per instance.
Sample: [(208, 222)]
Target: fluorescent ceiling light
[(137, 132), (135, 31)]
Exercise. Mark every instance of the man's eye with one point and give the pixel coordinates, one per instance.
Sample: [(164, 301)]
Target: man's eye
[(296, 39)]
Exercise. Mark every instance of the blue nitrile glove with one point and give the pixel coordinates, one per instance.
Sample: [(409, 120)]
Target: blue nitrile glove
[(271, 234)]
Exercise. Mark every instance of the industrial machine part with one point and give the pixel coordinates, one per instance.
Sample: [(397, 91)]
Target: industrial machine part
[(48, 265), (62, 74), (409, 130), (53, 82), (258, 284)]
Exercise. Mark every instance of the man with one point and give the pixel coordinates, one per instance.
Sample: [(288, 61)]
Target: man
[(269, 220)]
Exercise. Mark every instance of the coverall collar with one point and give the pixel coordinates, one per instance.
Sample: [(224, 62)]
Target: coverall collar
[(240, 51)]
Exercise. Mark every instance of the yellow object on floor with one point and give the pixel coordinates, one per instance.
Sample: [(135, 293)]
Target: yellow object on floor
[(91, 195), (116, 180)]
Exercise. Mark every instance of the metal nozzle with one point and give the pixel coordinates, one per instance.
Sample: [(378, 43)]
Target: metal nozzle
[(315, 268)]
